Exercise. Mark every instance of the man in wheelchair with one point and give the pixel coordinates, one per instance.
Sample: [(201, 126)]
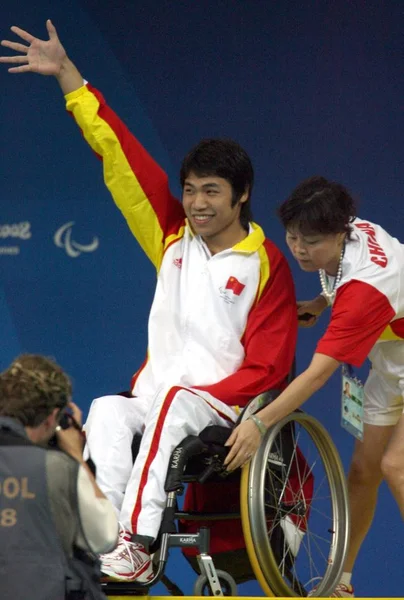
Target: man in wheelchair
[(223, 323), (222, 327), (222, 330)]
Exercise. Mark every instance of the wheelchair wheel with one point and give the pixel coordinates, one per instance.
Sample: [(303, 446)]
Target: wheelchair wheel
[(227, 583), (294, 509)]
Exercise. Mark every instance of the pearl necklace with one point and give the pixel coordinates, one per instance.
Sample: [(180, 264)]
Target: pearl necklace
[(329, 294)]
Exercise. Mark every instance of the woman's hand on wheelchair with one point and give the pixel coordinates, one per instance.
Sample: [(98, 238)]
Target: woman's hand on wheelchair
[(244, 442)]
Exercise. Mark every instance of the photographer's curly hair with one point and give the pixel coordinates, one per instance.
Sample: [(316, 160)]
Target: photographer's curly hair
[(31, 388)]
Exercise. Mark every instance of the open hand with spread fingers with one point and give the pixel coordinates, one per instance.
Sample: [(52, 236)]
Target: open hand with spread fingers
[(45, 57)]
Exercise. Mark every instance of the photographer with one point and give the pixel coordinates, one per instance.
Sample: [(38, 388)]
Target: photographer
[(53, 516)]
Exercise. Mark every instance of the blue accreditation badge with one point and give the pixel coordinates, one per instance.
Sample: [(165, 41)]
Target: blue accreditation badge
[(352, 400)]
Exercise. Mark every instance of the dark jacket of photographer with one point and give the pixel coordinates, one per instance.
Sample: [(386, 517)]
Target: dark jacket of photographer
[(40, 523)]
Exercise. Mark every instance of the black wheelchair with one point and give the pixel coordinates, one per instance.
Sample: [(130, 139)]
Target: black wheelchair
[(293, 508)]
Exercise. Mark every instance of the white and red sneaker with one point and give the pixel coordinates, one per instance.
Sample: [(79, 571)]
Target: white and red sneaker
[(130, 561)]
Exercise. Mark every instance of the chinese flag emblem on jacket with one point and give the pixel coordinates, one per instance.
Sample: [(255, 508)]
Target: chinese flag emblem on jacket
[(234, 285)]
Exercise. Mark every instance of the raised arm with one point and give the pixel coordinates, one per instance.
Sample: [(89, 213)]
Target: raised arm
[(138, 185)]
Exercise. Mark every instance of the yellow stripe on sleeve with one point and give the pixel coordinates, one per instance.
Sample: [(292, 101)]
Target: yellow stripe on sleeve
[(119, 177)]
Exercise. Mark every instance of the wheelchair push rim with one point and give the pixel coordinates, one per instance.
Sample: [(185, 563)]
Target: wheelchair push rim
[(317, 526)]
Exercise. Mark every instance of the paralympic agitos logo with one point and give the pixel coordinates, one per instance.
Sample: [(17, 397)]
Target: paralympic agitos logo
[(63, 238)]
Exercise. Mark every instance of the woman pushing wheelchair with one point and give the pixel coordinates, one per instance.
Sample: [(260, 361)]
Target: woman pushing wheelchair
[(361, 271)]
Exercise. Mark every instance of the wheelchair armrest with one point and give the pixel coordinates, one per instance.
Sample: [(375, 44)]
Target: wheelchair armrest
[(190, 446), (210, 442)]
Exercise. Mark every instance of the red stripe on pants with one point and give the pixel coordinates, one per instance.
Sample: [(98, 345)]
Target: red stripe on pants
[(152, 453), (166, 404)]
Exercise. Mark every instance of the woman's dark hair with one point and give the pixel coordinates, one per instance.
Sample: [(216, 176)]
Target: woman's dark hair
[(227, 159), (317, 205), (31, 388)]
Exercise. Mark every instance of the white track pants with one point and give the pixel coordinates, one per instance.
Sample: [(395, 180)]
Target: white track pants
[(137, 491)]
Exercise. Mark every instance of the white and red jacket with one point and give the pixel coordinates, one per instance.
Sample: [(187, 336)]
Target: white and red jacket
[(369, 304), (226, 323)]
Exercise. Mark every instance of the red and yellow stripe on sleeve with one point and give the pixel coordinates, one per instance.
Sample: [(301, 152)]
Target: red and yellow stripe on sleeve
[(138, 185)]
